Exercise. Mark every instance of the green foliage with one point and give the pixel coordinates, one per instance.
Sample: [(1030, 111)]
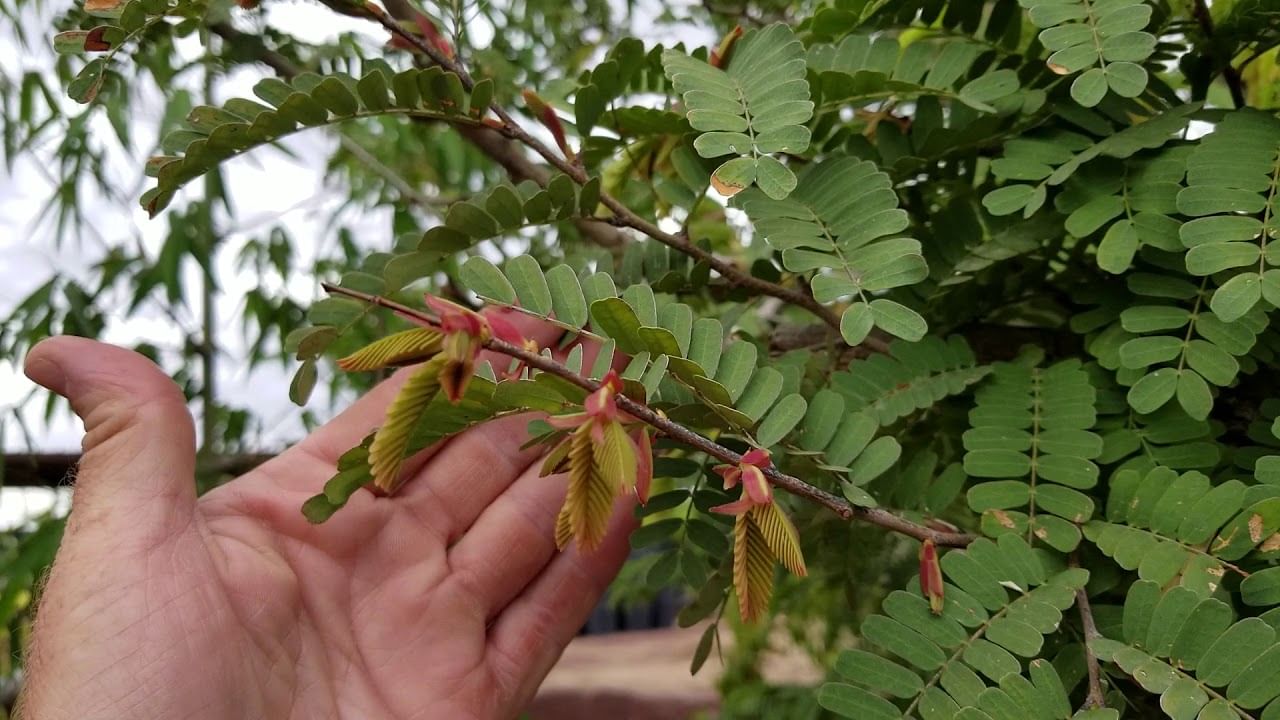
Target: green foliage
[(1001, 602), (1232, 176), (754, 108), (911, 377), (862, 69), (213, 135), (1182, 529), (836, 222), (1015, 250), (1031, 430), (1194, 653), (1103, 39)]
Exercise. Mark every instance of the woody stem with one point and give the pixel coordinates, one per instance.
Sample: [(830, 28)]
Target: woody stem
[(678, 432), (623, 216)]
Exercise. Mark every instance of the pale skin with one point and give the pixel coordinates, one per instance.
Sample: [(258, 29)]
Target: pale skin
[(448, 600)]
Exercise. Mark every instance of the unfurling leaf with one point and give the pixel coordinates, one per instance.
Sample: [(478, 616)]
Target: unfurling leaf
[(752, 569), (547, 116), (781, 536), (616, 456), (387, 452), (931, 576), (720, 56), (402, 348), (588, 504)]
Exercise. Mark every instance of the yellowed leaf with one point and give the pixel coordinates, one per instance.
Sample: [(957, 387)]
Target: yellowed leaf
[(724, 188)]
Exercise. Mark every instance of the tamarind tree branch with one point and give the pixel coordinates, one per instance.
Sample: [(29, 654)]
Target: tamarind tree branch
[(1096, 698), (841, 507), (623, 215), (498, 148)]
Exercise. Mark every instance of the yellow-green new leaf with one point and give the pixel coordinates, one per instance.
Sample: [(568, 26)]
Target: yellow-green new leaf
[(615, 458), (402, 348), (781, 536), (387, 452), (588, 504), (752, 569)]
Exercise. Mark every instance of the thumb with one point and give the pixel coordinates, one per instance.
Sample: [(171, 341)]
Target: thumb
[(137, 472)]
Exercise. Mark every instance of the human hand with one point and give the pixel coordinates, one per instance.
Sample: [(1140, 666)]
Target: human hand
[(447, 601)]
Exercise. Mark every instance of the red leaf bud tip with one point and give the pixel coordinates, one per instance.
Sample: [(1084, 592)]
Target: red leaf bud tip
[(422, 26), (433, 36), (644, 465), (547, 116), (755, 486), (931, 577), (720, 56)]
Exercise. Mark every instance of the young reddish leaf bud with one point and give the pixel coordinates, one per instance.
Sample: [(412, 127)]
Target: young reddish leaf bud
[(433, 36), (602, 403), (749, 471), (931, 576), (547, 116), (644, 463), (720, 56)]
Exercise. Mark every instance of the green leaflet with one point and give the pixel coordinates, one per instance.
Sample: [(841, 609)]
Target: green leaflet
[(839, 222), (674, 359), (1051, 158), (1104, 39), (969, 653), (913, 376), (1193, 652), (1172, 527), (213, 135), (1235, 169), (755, 107), (1031, 433), (623, 68), (862, 69)]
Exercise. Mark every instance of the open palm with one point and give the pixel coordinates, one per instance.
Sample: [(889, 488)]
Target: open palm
[(447, 601)]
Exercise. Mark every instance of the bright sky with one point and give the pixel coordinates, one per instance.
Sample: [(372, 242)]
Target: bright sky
[(268, 187)]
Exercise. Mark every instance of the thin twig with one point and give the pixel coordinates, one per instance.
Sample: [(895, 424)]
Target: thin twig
[(1095, 698), (642, 412), (624, 215), (490, 142)]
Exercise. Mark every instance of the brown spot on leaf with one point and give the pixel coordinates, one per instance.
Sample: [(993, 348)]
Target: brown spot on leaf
[(724, 188), (101, 6), (1003, 518), (1058, 69), (1255, 528), (1272, 543)]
